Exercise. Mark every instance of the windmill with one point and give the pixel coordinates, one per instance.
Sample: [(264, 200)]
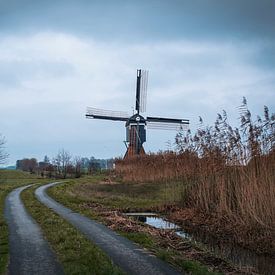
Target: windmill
[(136, 124)]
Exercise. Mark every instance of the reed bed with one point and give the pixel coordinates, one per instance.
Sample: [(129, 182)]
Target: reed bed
[(223, 170)]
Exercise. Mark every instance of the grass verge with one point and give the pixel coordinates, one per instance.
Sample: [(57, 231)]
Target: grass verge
[(94, 197), (76, 253), (114, 195), (148, 242)]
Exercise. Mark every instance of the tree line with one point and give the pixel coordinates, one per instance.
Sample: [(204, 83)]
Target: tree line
[(64, 165), (3, 154)]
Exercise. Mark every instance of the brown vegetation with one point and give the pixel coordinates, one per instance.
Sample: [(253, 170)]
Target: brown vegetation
[(223, 171), (164, 239)]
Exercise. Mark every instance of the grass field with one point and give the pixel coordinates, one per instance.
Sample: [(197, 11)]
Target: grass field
[(115, 195)]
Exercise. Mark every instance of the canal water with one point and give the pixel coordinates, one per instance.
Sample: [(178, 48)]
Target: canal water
[(233, 253)]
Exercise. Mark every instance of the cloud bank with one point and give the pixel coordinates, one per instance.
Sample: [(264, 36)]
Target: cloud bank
[(47, 79)]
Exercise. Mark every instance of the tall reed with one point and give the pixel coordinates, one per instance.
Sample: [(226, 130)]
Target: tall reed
[(225, 170)]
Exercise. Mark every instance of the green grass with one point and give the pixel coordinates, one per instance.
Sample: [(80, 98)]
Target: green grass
[(146, 241), (76, 193), (118, 196), (141, 238), (76, 253), (9, 180)]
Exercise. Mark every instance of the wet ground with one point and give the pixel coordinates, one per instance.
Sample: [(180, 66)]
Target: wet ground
[(128, 256), (30, 253), (239, 256)]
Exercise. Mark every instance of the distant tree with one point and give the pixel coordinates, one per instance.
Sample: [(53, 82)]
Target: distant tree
[(62, 162), (50, 170), (28, 165), (93, 165), (85, 163), (3, 154), (90, 164), (32, 165), (25, 164), (70, 170), (46, 159), (78, 165), (19, 164), (57, 164)]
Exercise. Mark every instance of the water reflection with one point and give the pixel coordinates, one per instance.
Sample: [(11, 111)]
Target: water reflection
[(236, 254), (160, 223), (239, 256), (153, 220)]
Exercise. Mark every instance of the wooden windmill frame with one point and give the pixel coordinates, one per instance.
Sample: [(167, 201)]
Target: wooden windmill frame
[(137, 124)]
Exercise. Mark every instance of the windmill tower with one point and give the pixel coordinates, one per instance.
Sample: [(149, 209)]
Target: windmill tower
[(136, 124)]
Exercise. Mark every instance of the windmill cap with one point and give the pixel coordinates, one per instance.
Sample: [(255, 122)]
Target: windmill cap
[(136, 118)]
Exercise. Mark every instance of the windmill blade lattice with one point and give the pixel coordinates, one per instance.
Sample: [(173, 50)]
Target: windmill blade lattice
[(136, 124), (166, 126), (163, 123), (143, 90), (106, 114)]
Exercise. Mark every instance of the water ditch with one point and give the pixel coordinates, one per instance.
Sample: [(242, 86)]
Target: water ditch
[(239, 256)]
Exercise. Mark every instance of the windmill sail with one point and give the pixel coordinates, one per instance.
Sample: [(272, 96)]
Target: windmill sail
[(162, 123), (141, 90), (138, 91), (166, 126), (106, 114), (136, 124)]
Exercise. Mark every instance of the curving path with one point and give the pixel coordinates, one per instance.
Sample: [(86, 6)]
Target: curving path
[(128, 256), (30, 253)]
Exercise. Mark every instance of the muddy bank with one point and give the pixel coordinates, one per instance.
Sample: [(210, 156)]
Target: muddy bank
[(224, 229), (166, 239)]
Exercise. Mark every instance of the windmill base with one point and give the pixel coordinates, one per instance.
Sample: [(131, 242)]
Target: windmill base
[(131, 151)]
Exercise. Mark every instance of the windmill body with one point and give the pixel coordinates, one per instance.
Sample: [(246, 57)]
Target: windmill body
[(136, 124), (135, 135)]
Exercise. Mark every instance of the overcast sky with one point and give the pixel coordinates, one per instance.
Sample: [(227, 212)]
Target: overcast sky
[(58, 57)]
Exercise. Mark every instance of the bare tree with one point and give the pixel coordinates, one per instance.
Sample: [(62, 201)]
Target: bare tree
[(3, 154), (63, 161), (93, 165), (27, 165), (77, 165)]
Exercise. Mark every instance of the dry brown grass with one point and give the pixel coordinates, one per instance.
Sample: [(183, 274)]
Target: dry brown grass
[(226, 171)]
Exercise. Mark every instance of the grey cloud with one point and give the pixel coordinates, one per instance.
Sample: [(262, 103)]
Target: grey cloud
[(251, 21), (240, 63), (265, 56), (201, 19), (7, 78), (12, 73)]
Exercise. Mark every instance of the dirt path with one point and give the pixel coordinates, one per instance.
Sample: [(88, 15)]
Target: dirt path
[(29, 252), (128, 256)]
